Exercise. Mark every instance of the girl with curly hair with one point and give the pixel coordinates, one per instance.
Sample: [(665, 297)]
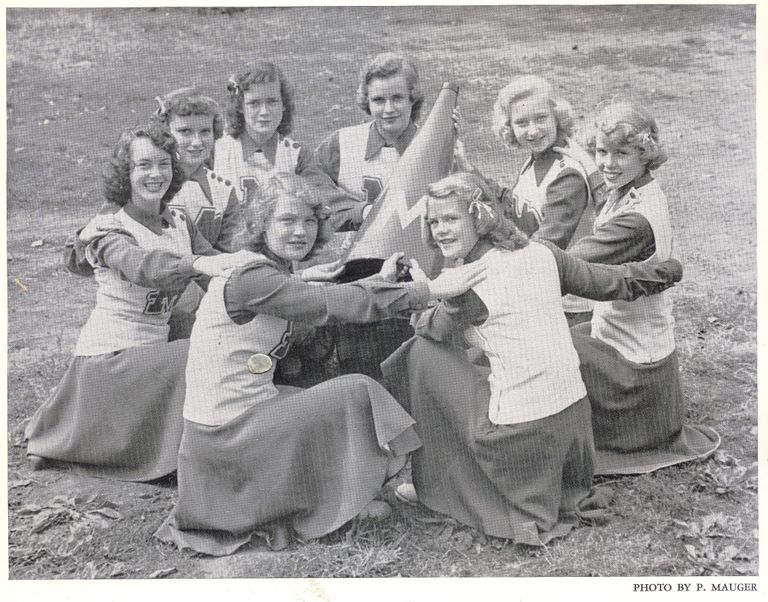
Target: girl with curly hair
[(507, 447), (259, 117), (257, 457), (553, 196), (117, 410), (629, 361)]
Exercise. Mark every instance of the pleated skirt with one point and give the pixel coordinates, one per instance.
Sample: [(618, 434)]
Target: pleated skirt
[(638, 410), (529, 482), (116, 415), (308, 458)]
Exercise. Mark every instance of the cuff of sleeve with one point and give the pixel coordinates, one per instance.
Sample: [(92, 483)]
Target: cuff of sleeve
[(419, 295), (185, 265)]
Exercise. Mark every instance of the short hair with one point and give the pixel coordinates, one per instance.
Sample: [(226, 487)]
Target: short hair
[(258, 73), (624, 123), (485, 208), (389, 64), (523, 87), (184, 102), (258, 212), (117, 180)]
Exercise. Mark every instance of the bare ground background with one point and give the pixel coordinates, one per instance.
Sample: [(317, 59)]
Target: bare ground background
[(76, 77)]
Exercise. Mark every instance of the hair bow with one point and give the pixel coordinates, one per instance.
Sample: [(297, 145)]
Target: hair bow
[(162, 109)]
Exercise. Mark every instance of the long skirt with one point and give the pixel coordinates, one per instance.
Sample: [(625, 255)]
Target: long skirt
[(116, 415), (638, 410), (528, 482), (309, 458)]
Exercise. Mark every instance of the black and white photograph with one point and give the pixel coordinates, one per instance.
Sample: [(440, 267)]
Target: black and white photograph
[(330, 292)]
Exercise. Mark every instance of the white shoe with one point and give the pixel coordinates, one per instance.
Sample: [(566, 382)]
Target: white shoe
[(406, 493)]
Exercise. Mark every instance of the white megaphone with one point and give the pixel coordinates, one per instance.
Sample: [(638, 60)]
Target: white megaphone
[(394, 223)]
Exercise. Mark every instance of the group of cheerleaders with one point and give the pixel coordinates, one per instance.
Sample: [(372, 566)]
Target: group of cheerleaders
[(505, 411)]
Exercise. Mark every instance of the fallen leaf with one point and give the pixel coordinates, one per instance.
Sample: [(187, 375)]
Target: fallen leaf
[(29, 509), (691, 550), (47, 519), (21, 483), (21, 285), (162, 573), (37, 243), (728, 552), (108, 512)]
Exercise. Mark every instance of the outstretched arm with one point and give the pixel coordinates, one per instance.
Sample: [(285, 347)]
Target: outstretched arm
[(624, 282), (625, 237)]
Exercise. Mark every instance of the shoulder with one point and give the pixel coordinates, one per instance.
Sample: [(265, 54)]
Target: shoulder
[(226, 144), (650, 189), (355, 132), (260, 263), (217, 181), (290, 143), (330, 141), (568, 166)]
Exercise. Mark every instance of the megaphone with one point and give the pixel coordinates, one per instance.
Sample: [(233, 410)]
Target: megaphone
[(394, 223)]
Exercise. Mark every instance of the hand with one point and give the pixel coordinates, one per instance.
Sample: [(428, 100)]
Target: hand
[(417, 274), (576, 152), (457, 281), (217, 265), (460, 161), (392, 268), (323, 272), (457, 120), (96, 228)]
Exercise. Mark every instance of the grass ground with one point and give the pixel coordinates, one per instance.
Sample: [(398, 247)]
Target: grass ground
[(76, 77)]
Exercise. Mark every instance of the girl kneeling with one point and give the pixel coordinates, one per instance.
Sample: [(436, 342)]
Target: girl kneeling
[(257, 456), (507, 450)]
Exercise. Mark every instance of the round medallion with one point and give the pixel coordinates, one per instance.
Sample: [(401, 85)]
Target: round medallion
[(259, 363)]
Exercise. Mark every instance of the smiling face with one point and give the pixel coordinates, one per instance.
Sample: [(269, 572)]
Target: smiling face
[(194, 138), (263, 110), (452, 227), (151, 175), (389, 101), (533, 123), (292, 229), (620, 164)]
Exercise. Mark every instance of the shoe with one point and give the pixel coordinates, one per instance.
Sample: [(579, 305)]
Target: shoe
[(280, 538), (38, 462), (375, 510), (406, 493)]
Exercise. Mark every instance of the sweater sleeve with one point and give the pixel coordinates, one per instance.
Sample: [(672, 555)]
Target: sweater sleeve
[(230, 224), (119, 251), (625, 237), (566, 201), (328, 156), (261, 288), (624, 282), (446, 321), (346, 208)]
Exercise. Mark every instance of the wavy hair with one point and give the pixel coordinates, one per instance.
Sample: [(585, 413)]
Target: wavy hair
[(487, 212), (523, 87), (258, 213), (185, 102), (624, 123), (117, 180), (258, 73), (389, 64)]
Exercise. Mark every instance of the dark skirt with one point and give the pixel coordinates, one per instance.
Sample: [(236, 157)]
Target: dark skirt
[(527, 482), (311, 458), (638, 410), (116, 415)]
